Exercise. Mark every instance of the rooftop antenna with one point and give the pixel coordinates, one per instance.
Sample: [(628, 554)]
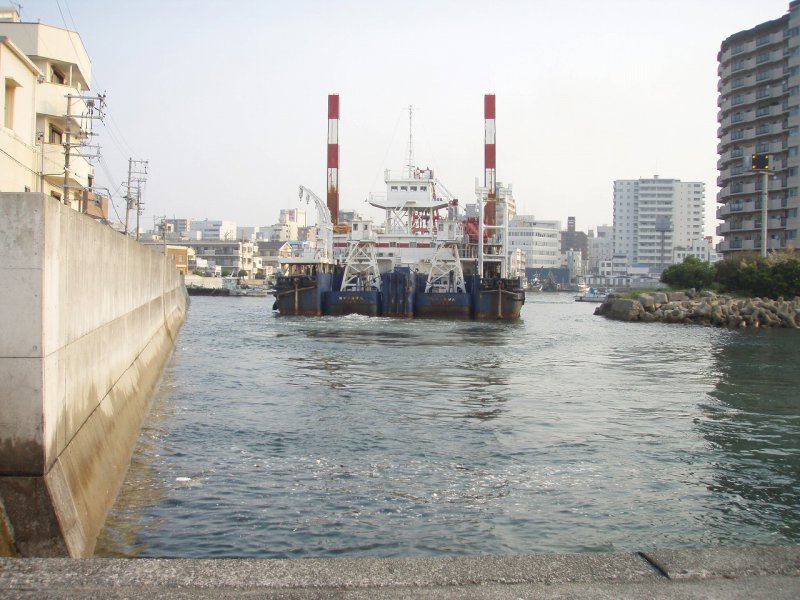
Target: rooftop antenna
[(410, 164)]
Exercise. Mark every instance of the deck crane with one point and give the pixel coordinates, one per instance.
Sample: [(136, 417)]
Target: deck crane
[(324, 253)]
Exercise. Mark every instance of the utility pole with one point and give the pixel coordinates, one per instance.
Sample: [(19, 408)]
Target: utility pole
[(94, 110), (137, 175)]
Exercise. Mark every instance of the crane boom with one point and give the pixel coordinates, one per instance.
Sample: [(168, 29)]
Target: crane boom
[(325, 254)]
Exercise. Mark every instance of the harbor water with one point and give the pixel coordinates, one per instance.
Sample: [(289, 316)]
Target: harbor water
[(293, 437)]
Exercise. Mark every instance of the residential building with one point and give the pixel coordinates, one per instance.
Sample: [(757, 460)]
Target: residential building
[(212, 230), (601, 247), (540, 240), (702, 249), (293, 215), (652, 216), (224, 255), (18, 164), (574, 240), (60, 106), (759, 113)]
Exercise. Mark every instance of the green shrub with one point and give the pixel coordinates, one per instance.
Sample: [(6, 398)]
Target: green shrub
[(776, 276), (691, 273)]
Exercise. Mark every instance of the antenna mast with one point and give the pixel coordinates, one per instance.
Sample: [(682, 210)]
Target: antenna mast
[(410, 164)]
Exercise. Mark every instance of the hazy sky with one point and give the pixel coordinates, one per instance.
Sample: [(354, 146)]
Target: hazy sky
[(227, 100)]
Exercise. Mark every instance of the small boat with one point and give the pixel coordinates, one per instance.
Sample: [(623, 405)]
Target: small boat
[(591, 295)]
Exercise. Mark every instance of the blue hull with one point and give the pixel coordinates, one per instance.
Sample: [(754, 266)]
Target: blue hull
[(339, 304), (301, 295)]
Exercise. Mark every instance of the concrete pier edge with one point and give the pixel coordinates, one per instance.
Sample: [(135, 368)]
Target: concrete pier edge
[(768, 572)]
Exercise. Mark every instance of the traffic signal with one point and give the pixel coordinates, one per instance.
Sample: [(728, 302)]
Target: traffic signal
[(760, 162)]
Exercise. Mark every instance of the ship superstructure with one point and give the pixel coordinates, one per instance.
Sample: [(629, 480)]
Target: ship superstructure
[(412, 264)]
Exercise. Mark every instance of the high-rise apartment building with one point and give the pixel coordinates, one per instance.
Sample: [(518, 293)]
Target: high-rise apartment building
[(651, 216), (759, 113)]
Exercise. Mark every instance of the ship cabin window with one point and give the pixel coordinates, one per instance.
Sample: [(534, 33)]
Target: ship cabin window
[(403, 188), (393, 244), (413, 188), (394, 188), (423, 188), (355, 226)]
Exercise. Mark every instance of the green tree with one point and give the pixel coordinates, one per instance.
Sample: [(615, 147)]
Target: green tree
[(691, 273)]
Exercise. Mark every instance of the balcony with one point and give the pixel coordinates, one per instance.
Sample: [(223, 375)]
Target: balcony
[(53, 165), (51, 100)]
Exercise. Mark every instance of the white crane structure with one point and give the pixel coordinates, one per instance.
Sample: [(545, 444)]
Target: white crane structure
[(324, 251)]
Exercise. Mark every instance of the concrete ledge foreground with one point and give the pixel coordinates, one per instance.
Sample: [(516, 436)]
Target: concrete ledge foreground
[(722, 573)]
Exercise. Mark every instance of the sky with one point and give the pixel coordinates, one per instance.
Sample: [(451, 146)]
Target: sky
[(227, 101)]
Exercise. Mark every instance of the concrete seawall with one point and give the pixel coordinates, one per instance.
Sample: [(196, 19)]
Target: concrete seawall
[(88, 320)]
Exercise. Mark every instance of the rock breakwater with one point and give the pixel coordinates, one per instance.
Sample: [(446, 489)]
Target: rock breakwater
[(704, 308)]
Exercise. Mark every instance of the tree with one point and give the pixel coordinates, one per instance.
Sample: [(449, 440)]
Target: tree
[(691, 273)]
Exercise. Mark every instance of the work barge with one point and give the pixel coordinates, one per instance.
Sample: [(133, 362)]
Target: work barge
[(424, 261)]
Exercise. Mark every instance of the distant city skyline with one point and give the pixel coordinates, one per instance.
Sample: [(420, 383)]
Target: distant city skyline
[(227, 102)]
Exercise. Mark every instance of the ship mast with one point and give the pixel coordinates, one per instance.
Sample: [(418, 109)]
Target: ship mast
[(410, 163)]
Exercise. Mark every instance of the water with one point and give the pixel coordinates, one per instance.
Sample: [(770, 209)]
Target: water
[(283, 437)]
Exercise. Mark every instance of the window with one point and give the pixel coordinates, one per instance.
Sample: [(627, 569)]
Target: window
[(57, 76), (56, 136)]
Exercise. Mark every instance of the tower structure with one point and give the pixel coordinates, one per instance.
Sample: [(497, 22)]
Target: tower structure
[(333, 157), (490, 154), (759, 113)]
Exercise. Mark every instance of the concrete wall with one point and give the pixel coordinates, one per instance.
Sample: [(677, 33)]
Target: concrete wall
[(88, 320)]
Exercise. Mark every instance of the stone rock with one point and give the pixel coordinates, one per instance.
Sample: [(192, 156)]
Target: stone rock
[(648, 302), (659, 297)]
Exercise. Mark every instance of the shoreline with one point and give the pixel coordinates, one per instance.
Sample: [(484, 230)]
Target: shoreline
[(704, 308)]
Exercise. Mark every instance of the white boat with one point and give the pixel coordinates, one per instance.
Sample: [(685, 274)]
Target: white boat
[(591, 295)]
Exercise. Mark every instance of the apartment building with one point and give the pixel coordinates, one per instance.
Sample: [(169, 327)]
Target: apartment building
[(601, 247), (759, 113), (652, 216), (540, 240), (18, 75), (57, 109)]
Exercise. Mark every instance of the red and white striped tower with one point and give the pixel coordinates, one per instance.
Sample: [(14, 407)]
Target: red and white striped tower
[(490, 174), (333, 157)]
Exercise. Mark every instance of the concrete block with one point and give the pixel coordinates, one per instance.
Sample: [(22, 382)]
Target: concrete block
[(21, 419), (21, 313), (21, 231)]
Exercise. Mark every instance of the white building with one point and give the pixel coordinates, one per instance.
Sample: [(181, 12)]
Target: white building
[(540, 240), (18, 164), (702, 249), (45, 114), (653, 216), (212, 230), (293, 215)]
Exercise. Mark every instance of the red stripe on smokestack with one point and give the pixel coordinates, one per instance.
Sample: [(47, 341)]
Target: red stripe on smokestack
[(488, 106), (333, 106), (333, 157), (489, 158)]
